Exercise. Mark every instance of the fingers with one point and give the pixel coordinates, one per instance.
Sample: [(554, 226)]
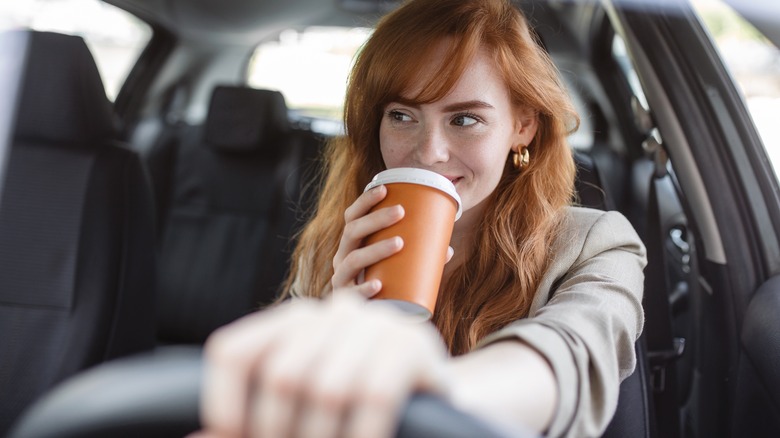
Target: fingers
[(383, 389), (318, 369), (356, 229), (282, 380), (361, 258), (450, 253), (381, 395), (233, 353), (359, 228), (364, 203), (359, 223), (358, 388), (333, 383), (351, 257), (367, 289)]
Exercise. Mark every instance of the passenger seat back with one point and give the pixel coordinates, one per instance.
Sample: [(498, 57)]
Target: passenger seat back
[(76, 230), (227, 193)]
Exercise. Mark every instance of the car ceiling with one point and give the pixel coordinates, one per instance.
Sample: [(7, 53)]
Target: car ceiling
[(230, 29), (250, 21)]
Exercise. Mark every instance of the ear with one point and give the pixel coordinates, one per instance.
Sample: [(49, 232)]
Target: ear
[(526, 123)]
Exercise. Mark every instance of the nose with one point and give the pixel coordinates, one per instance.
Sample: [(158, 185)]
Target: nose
[(431, 147)]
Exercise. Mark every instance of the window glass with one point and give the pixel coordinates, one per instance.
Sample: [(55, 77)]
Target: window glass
[(581, 139), (310, 68), (115, 37), (755, 65), (620, 53)]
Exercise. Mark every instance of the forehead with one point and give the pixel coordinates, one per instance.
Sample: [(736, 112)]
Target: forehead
[(480, 79)]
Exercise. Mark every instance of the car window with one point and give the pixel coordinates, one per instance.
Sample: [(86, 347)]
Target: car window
[(620, 54), (754, 63), (115, 37), (310, 68), (581, 139)]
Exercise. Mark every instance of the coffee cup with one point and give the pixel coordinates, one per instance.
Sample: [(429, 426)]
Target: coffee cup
[(411, 277)]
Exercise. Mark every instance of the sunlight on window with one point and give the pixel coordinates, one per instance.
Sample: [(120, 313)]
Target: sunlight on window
[(755, 64), (115, 37), (310, 68)]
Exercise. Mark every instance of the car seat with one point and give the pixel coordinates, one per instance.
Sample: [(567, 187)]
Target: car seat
[(634, 416), (77, 256), (227, 195)]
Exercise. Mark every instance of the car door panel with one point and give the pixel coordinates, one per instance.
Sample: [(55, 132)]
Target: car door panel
[(757, 399)]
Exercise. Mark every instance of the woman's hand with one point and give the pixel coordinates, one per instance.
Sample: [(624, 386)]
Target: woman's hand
[(328, 368), (351, 257)]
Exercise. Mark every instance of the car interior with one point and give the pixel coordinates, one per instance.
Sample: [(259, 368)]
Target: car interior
[(145, 223)]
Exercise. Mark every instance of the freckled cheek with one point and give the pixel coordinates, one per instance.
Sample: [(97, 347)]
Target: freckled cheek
[(487, 164), (394, 149), (388, 156), (392, 156)]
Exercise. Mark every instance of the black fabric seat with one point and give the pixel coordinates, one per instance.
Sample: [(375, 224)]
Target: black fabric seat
[(227, 195), (634, 416), (77, 256), (590, 187)]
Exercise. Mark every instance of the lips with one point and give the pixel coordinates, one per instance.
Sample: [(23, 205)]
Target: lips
[(454, 179)]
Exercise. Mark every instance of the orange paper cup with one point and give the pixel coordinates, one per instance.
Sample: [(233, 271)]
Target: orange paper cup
[(411, 277)]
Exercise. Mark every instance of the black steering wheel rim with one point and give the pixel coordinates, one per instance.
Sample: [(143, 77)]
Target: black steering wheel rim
[(156, 395)]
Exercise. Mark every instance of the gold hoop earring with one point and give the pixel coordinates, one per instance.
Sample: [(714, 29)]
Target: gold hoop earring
[(521, 158)]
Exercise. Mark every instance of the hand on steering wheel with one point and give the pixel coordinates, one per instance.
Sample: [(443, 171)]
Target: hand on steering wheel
[(318, 369)]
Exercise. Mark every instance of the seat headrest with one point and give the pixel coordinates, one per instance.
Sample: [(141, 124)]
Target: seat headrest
[(62, 98), (242, 119)]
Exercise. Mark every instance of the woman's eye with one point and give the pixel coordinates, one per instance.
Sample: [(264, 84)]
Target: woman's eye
[(398, 116), (464, 120)]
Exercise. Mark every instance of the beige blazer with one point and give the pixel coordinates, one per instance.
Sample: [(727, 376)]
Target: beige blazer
[(585, 317)]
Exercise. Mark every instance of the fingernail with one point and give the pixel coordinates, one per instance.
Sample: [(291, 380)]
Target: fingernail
[(398, 242), (450, 252), (374, 286)]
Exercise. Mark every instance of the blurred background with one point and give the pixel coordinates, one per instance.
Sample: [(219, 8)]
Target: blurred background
[(310, 66), (755, 65)]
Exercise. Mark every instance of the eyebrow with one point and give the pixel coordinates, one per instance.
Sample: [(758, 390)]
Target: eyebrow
[(469, 104), (453, 107)]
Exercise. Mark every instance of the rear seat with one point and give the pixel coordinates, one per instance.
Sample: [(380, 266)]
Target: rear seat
[(227, 194)]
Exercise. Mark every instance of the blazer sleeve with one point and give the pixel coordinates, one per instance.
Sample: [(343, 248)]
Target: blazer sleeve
[(590, 317)]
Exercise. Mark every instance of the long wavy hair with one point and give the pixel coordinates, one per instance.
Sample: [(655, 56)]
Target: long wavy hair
[(511, 247)]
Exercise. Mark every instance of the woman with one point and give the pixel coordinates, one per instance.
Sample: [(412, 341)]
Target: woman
[(540, 304)]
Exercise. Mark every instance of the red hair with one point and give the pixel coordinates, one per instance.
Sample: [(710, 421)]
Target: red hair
[(510, 251)]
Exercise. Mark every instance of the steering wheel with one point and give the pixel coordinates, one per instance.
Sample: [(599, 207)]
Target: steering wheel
[(156, 395)]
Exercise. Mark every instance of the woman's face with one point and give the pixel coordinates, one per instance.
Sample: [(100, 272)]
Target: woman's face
[(466, 136)]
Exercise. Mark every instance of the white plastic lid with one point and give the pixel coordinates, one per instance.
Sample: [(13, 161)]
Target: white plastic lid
[(417, 176)]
